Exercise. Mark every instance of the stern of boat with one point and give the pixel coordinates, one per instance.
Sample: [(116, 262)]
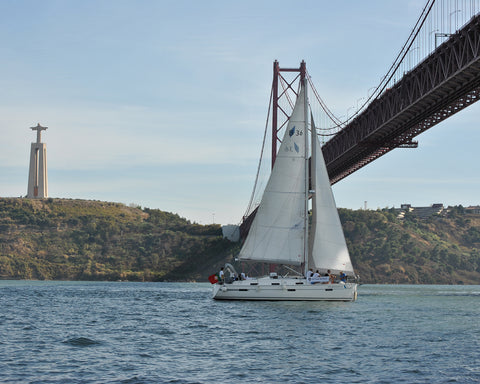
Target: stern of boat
[(217, 290)]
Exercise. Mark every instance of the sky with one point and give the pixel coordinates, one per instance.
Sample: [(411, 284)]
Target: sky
[(162, 104)]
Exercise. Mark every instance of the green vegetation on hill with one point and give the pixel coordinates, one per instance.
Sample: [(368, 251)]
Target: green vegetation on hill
[(436, 250), (93, 240)]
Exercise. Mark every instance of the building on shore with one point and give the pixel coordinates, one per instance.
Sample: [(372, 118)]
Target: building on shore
[(420, 212), (473, 209)]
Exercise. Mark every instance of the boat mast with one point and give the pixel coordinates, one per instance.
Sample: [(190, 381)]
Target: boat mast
[(303, 80)]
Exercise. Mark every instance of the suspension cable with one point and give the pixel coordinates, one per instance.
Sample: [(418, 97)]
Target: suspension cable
[(401, 55), (386, 78), (261, 157)]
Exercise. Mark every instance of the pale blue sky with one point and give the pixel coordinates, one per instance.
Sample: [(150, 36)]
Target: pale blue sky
[(163, 103)]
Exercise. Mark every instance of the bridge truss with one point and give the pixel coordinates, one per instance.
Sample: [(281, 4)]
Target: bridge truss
[(446, 82)]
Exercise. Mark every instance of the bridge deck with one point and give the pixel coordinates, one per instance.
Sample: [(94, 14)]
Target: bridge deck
[(444, 83)]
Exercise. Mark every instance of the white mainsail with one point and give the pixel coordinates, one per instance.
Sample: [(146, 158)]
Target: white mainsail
[(329, 249), (277, 233)]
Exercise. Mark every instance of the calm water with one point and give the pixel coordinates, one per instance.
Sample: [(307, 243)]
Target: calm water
[(83, 332)]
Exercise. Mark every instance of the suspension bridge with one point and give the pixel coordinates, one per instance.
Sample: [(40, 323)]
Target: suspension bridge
[(435, 75)]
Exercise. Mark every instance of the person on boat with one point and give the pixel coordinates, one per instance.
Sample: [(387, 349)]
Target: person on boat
[(242, 276), (309, 274), (329, 276), (315, 279), (343, 277), (221, 275)]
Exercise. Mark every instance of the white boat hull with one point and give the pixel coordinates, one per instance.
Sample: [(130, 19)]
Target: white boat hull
[(284, 289)]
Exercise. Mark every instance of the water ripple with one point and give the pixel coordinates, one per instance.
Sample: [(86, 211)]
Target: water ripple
[(82, 342)]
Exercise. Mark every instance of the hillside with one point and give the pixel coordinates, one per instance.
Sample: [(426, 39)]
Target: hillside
[(435, 250), (93, 240)]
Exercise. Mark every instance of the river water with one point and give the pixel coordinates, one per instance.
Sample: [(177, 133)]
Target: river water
[(91, 332)]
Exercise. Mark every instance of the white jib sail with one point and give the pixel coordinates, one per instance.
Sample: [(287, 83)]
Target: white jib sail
[(329, 249), (277, 232)]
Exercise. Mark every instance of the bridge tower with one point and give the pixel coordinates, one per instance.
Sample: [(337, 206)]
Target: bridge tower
[(282, 90), (37, 176)]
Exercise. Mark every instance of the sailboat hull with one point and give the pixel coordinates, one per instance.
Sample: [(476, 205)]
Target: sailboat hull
[(284, 289)]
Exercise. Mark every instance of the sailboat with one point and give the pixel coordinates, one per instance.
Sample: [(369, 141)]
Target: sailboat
[(283, 232)]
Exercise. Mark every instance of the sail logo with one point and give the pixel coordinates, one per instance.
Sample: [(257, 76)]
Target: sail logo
[(288, 148), (291, 132)]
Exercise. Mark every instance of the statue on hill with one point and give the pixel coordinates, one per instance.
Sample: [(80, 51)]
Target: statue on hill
[(37, 176)]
